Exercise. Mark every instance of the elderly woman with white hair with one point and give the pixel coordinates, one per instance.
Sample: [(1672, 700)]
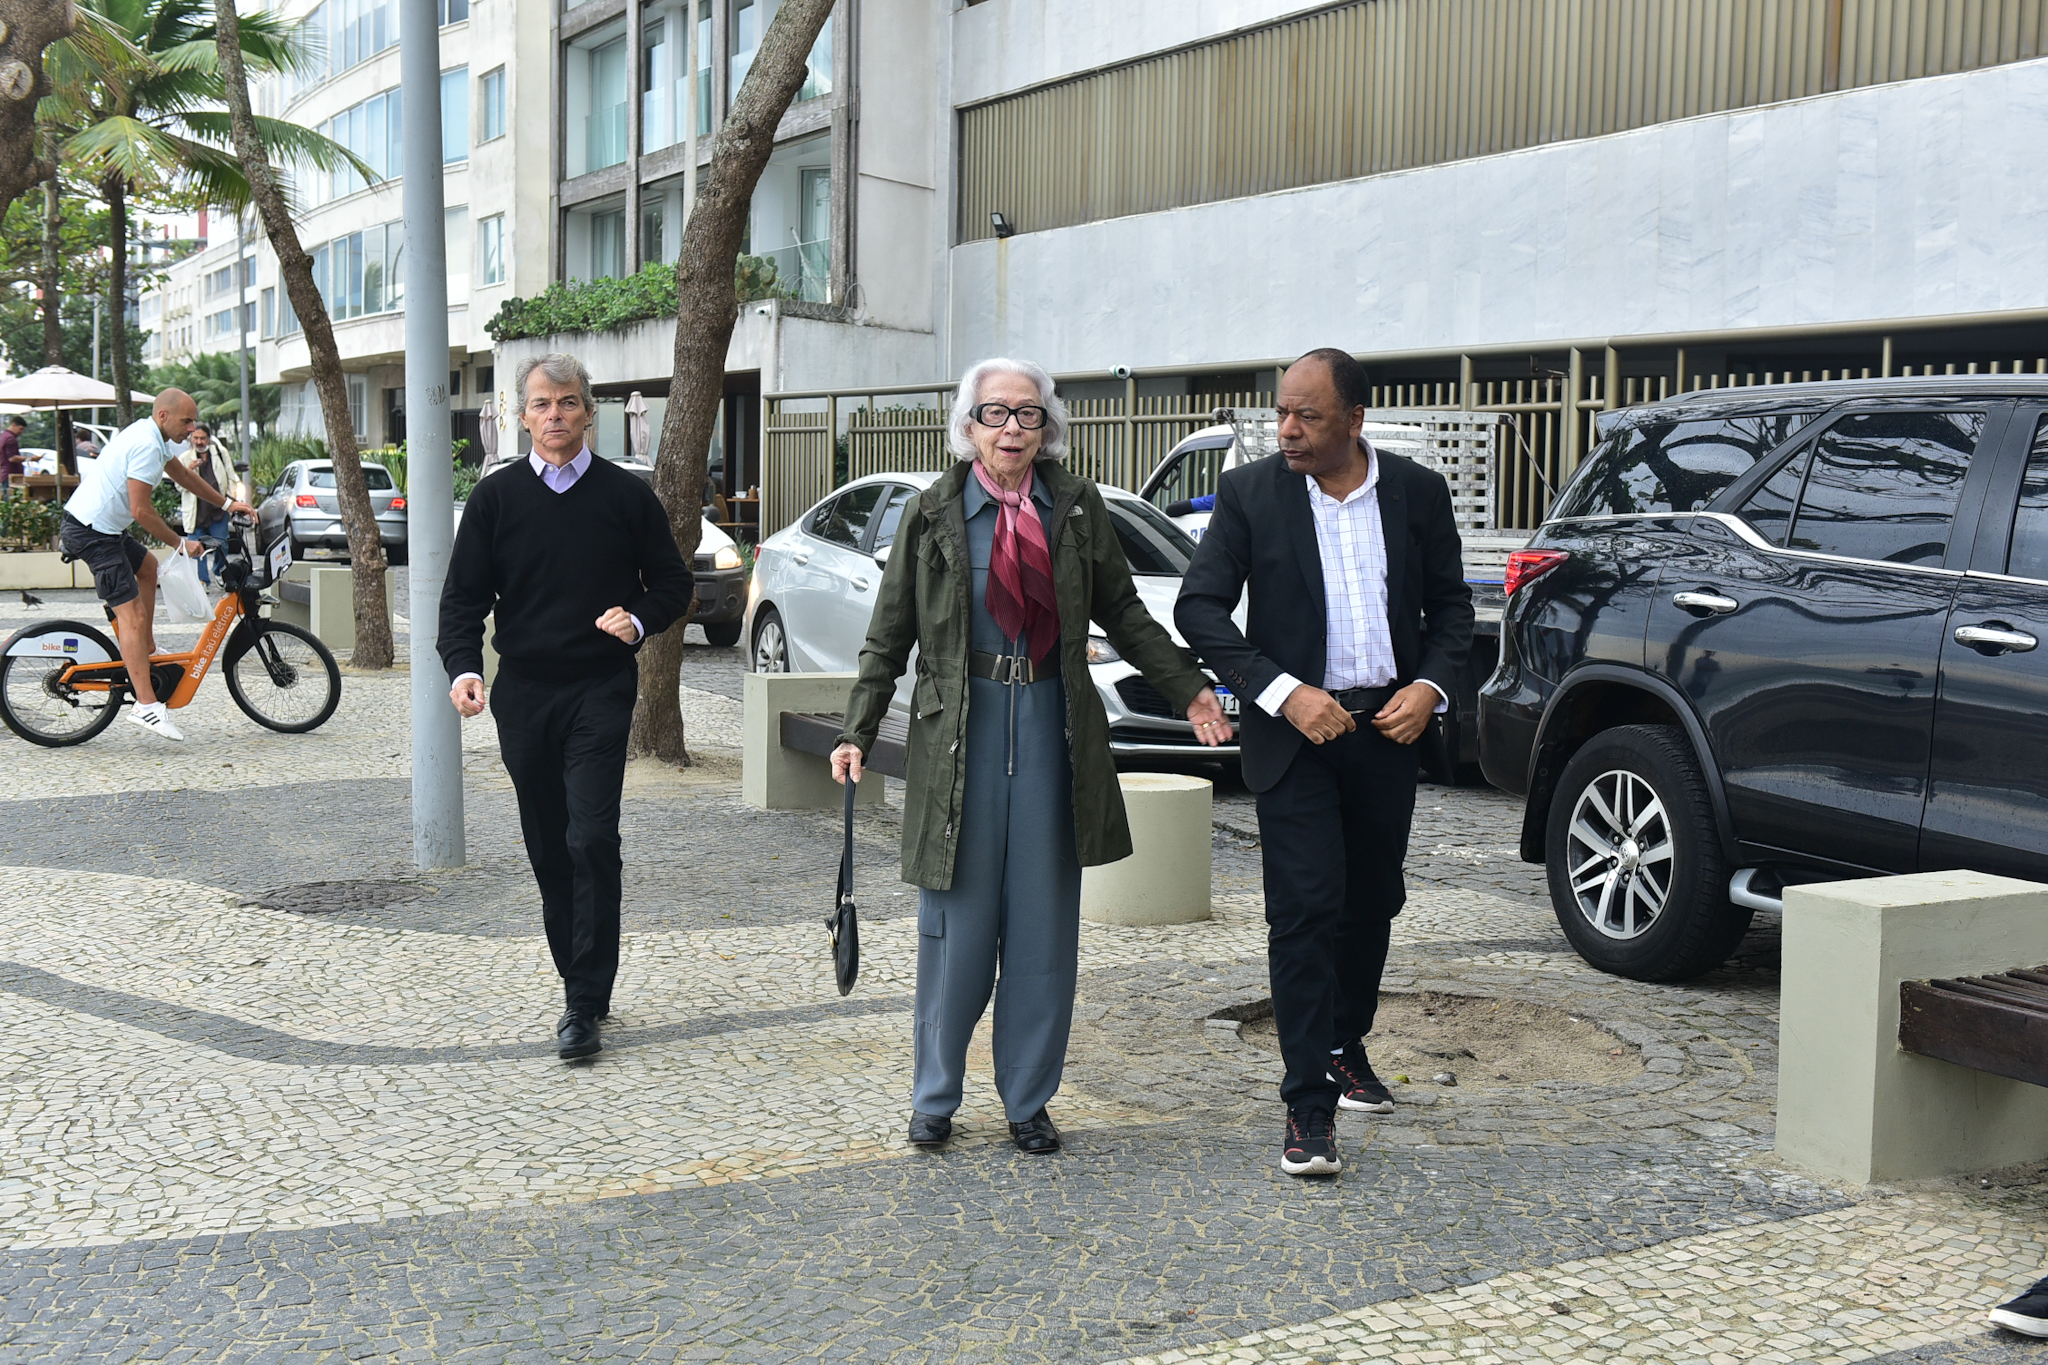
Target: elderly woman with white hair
[(997, 570)]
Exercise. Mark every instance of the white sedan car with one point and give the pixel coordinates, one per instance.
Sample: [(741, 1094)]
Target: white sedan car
[(815, 584)]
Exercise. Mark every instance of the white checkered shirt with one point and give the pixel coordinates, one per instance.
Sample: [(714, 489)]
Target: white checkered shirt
[(1351, 541)]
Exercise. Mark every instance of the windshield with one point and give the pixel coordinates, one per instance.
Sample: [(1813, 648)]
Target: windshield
[(1151, 543), (378, 480)]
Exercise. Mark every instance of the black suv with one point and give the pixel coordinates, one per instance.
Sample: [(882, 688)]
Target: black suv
[(1777, 635)]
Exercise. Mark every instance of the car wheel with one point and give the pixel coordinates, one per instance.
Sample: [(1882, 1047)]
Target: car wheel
[(298, 546), (1637, 877), (771, 645), (724, 634), (394, 555)]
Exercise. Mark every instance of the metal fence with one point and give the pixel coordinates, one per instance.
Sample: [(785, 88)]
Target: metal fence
[(1381, 85), (1543, 425)]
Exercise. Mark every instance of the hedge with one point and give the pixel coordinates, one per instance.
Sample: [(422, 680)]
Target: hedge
[(600, 305)]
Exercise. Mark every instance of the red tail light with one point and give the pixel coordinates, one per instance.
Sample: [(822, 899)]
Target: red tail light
[(1526, 566), (306, 500), (398, 504)]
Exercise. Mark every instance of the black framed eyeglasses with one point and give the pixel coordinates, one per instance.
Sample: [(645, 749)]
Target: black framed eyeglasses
[(998, 415)]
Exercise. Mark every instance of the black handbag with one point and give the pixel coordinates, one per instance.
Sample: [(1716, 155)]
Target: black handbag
[(844, 921)]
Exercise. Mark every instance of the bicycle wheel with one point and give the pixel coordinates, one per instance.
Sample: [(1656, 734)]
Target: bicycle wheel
[(283, 677), (36, 704)]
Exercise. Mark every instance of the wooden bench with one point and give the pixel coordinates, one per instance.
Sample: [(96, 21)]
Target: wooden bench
[(1997, 1024), (817, 732)]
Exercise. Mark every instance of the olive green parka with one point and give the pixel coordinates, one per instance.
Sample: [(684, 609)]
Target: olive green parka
[(925, 600)]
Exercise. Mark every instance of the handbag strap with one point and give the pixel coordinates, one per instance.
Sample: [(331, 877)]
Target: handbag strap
[(846, 858)]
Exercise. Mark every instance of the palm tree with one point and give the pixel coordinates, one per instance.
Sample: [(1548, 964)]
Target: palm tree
[(154, 120)]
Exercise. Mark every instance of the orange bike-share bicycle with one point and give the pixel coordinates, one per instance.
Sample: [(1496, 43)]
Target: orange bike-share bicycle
[(62, 682)]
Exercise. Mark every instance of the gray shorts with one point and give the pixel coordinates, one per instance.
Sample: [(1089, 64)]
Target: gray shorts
[(112, 559)]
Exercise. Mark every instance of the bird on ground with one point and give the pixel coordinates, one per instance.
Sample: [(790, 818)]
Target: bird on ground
[(29, 599)]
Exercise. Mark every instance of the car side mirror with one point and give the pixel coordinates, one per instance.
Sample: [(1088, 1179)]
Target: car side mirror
[(882, 553)]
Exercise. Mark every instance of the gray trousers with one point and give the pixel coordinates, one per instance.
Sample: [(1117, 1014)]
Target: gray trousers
[(1011, 921)]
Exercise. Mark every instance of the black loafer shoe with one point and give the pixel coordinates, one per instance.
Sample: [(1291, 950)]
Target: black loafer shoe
[(1036, 1135), (929, 1130), (576, 1036)]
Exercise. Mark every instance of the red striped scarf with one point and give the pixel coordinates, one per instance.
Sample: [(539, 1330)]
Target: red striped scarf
[(1020, 591)]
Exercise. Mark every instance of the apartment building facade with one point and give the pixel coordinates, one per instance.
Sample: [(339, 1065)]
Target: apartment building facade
[(1564, 204)]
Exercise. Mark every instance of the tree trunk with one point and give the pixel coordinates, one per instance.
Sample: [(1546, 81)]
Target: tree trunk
[(28, 27), (707, 306), (53, 264), (117, 297), (365, 550)]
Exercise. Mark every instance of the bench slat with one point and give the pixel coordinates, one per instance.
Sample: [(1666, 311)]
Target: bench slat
[(2004, 1033), (817, 732)]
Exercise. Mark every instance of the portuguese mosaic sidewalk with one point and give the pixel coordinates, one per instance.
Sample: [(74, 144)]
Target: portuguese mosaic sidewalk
[(273, 1095)]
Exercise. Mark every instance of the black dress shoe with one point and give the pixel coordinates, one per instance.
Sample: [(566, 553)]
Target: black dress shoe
[(1036, 1135), (929, 1130), (576, 1035)]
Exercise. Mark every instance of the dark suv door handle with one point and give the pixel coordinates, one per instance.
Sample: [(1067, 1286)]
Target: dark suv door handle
[(1995, 637), (1705, 603)]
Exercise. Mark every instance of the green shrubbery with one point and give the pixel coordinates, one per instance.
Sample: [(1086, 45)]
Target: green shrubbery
[(26, 524), (600, 305), (269, 455)]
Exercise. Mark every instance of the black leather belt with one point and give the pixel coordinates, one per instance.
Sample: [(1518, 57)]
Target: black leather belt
[(1364, 701), (1007, 668)]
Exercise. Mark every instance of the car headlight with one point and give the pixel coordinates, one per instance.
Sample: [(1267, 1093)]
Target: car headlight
[(728, 557), (1100, 651)]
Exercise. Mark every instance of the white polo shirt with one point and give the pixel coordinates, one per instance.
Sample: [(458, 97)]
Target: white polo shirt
[(138, 451)]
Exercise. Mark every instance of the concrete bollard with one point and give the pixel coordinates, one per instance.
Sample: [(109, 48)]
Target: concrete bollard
[(1852, 1104), (775, 778), (1166, 880)]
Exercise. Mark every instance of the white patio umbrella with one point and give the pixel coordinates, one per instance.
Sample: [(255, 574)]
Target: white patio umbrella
[(53, 386), (487, 427), (636, 425)]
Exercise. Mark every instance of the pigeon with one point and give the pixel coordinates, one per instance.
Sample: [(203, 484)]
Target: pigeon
[(29, 599)]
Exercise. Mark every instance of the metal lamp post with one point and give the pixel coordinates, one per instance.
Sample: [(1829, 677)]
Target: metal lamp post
[(437, 835)]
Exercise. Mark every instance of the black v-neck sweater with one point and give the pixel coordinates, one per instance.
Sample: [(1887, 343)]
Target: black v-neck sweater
[(550, 564)]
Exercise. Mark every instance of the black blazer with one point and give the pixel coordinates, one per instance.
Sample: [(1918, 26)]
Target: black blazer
[(1262, 534)]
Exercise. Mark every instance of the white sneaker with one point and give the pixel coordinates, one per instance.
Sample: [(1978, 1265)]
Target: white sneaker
[(156, 717)]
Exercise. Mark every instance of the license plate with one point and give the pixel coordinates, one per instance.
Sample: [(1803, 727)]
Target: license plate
[(1228, 698), (280, 558)]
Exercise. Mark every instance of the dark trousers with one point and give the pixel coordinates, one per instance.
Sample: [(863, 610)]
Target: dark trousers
[(564, 746), (1334, 830)]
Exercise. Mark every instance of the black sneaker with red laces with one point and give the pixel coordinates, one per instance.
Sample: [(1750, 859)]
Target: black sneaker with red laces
[(1362, 1089), (1311, 1145)]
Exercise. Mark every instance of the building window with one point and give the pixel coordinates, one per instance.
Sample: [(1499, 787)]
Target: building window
[(493, 109), (362, 29), (750, 20), (703, 68), (657, 128), (608, 245), (455, 247), (604, 125), (453, 11), (374, 131), (650, 232), (363, 272), (490, 249), (269, 315), (455, 115), (359, 406)]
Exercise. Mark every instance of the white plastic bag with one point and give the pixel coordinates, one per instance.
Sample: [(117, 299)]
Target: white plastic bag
[(184, 594)]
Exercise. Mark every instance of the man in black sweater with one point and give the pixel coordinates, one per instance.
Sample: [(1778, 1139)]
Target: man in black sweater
[(576, 557)]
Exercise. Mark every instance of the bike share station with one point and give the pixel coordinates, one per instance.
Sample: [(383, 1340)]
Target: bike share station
[(62, 682)]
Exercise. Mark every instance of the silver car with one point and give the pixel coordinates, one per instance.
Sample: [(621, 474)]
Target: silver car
[(815, 584), (304, 506)]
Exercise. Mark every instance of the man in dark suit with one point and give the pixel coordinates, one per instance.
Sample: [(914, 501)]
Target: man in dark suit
[(1358, 623)]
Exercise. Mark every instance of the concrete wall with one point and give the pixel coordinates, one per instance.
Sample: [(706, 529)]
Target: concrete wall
[(788, 352), (1920, 198)]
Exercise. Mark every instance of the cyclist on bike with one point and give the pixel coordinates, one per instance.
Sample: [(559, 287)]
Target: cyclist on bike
[(115, 492)]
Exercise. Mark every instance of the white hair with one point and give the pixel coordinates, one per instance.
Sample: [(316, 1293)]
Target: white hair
[(1053, 445)]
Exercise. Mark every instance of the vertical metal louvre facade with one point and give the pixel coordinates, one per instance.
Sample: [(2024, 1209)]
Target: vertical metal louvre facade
[(1386, 85)]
